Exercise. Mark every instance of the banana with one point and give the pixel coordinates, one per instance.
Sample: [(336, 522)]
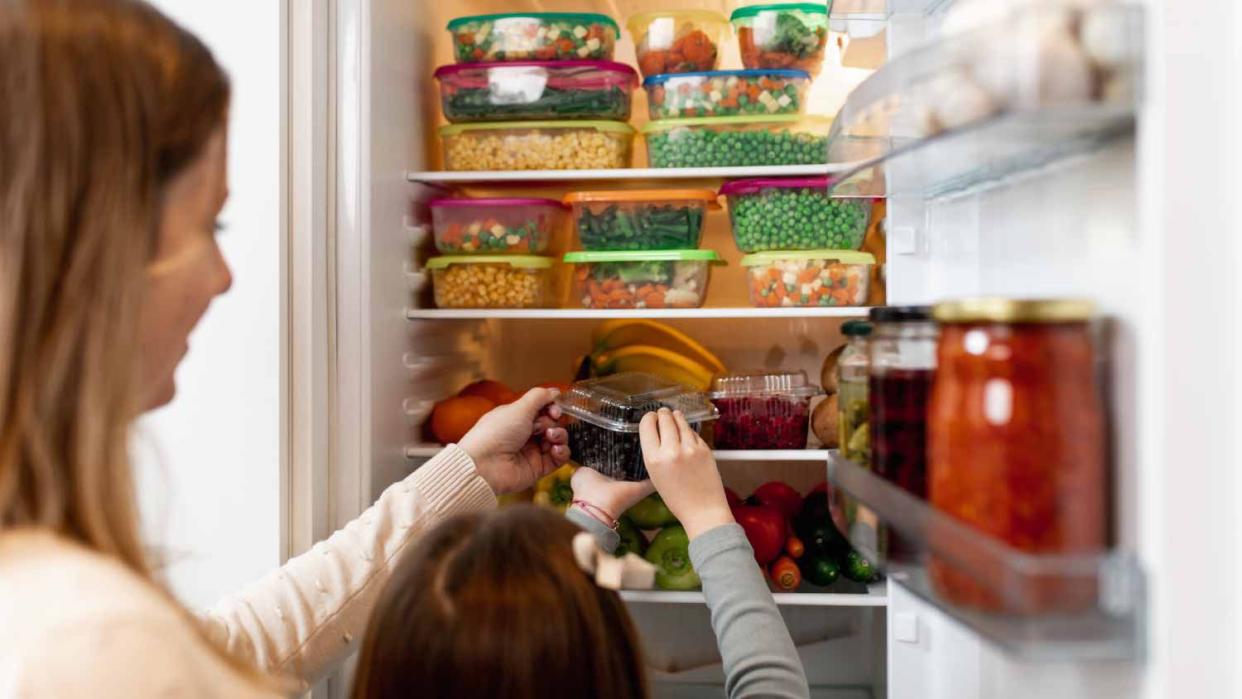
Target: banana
[(655, 360), (615, 334)]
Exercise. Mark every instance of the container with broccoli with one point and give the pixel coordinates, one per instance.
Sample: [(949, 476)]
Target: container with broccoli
[(787, 35), (642, 279)]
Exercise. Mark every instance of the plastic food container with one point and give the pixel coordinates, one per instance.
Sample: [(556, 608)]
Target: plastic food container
[(534, 36), (604, 416), (787, 35), (537, 145), (748, 141), (491, 281), (649, 219), (491, 226), (762, 409), (677, 41), (656, 279), (536, 90), (726, 93), (794, 213), (809, 277)]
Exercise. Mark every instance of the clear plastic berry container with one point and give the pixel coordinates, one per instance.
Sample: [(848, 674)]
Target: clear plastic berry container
[(677, 41), (642, 279), (491, 281), (724, 93), (785, 35), (762, 409), (516, 226), (539, 90), (534, 36), (743, 141), (644, 219), (537, 145), (603, 416), (794, 213), (809, 278)]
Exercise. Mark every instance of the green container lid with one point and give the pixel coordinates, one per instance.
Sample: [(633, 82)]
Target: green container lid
[(575, 17), (810, 8), (709, 256), (519, 261), (849, 257), (813, 122), (606, 126)]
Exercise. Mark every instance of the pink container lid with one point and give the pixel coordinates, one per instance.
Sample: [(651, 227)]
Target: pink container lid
[(459, 202), (605, 66), (754, 185)]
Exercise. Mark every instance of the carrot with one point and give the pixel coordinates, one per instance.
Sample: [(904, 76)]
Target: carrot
[(808, 275), (784, 572)]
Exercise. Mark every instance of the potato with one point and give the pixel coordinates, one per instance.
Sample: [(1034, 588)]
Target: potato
[(824, 422), (828, 373)]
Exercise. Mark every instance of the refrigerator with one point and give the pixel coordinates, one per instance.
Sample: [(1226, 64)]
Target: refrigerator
[(1120, 187)]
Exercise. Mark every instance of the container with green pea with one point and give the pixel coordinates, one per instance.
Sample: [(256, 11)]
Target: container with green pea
[(794, 213), (645, 219), (740, 141)]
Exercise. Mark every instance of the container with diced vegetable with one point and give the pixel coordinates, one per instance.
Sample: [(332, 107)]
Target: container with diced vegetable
[(677, 41), (491, 281), (794, 213), (744, 141), (537, 145), (722, 93), (786, 35), (647, 279), (649, 219), (534, 36), (540, 90), (604, 413), (495, 226), (762, 409), (809, 278)]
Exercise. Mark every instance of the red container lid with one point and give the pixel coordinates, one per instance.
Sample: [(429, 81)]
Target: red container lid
[(460, 202), (754, 185), (625, 74)]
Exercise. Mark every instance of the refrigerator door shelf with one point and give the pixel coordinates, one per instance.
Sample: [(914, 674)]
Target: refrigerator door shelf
[(1056, 607)]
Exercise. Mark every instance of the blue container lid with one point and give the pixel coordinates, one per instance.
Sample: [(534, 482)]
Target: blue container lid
[(756, 73)]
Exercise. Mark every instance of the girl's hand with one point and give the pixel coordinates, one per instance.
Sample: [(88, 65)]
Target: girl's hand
[(613, 497), (684, 471), (515, 445)]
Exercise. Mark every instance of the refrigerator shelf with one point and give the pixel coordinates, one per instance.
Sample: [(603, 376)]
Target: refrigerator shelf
[(606, 314), (1057, 607), (1042, 85), (875, 595), (528, 177), (425, 451)]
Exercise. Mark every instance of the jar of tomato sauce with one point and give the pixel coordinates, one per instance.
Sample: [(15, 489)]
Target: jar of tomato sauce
[(1016, 445)]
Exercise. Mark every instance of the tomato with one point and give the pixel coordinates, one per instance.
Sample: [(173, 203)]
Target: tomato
[(780, 496), (732, 498), (765, 529)]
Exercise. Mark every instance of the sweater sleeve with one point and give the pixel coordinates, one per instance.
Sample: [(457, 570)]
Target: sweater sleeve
[(304, 618), (759, 657)]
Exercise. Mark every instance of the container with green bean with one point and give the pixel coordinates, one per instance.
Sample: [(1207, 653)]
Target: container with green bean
[(535, 90), (649, 219), (794, 213)]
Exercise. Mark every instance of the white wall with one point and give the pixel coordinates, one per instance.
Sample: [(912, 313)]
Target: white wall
[(209, 464)]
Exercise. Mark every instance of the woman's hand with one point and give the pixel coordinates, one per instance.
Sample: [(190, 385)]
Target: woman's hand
[(613, 497), (517, 444), (684, 471)]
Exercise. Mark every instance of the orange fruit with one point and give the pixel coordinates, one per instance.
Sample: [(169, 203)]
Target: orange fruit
[(453, 417), (494, 391), (558, 385)]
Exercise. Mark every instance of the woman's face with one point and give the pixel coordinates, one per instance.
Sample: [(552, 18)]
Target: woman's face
[(188, 270)]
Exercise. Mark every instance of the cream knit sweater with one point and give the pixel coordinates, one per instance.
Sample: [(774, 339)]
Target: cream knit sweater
[(77, 624)]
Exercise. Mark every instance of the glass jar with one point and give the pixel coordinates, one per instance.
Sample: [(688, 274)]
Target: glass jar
[(903, 364), (1017, 443), (853, 411)]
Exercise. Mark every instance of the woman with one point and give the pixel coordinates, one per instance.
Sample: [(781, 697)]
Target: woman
[(112, 173)]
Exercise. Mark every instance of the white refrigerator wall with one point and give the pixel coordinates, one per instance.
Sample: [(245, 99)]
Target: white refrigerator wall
[(209, 463)]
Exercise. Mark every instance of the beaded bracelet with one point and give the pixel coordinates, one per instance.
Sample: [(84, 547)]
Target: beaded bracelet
[(598, 513)]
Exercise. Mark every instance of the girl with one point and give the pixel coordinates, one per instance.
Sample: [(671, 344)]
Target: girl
[(496, 606)]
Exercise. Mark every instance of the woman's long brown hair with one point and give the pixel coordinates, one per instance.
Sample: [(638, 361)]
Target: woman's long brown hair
[(495, 606), (103, 103)]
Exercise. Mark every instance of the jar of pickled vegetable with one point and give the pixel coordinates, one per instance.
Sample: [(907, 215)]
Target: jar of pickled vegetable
[(1016, 444), (853, 410)]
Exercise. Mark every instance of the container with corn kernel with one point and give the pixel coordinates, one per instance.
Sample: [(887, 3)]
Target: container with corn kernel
[(537, 145), (491, 281)]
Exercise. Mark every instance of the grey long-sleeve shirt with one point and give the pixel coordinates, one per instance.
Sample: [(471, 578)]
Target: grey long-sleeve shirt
[(759, 657)]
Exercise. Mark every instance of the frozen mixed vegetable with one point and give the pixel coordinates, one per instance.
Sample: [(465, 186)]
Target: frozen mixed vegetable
[(538, 36), (545, 90), (737, 141), (726, 93), (490, 226), (537, 145), (794, 214), (809, 278), (641, 220), (490, 281), (677, 41), (654, 279), (788, 35)]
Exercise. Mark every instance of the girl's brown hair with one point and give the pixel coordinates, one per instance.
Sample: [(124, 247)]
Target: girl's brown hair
[(496, 606)]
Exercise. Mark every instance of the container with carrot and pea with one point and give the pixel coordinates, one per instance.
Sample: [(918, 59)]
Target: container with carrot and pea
[(726, 93), (534, 36)]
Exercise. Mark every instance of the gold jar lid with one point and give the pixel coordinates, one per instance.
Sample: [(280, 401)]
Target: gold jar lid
[(1003, 310)]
